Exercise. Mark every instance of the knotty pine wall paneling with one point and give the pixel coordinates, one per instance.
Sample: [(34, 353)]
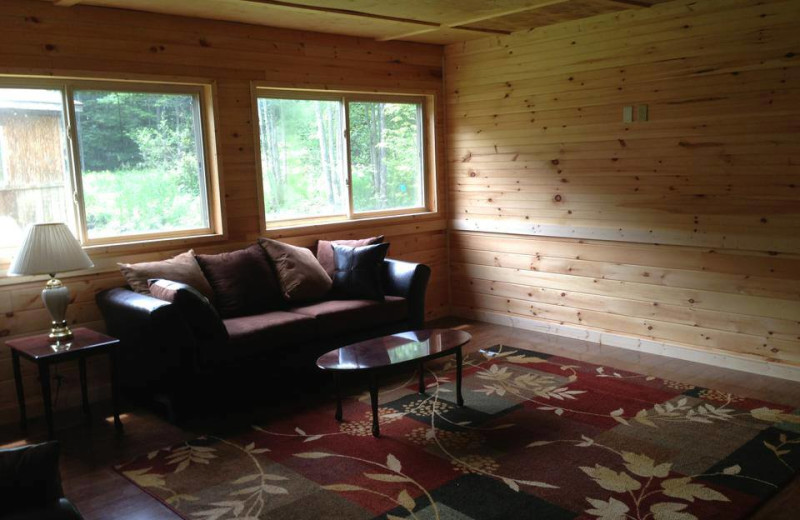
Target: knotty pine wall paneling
[(37, 38), (680, 231)]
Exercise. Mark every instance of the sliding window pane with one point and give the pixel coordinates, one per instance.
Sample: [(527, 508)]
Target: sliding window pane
[(386, 155), (142, 165), (301, 158), (34, 172)]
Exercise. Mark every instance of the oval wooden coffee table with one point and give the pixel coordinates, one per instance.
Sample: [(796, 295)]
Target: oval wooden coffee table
[(393, 352)]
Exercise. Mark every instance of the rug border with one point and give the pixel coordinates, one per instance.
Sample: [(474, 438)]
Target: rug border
[(153, 495)]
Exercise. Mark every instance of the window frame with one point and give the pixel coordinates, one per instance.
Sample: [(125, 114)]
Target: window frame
[(426, 103), (205, 110)]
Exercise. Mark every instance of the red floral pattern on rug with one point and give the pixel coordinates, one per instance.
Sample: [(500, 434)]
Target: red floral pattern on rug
[(539, 437)]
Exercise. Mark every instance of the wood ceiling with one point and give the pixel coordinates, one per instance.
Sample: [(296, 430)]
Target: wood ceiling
[(428, 21)]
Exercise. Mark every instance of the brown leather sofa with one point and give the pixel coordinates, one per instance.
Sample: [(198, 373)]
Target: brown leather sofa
[(164, 344)]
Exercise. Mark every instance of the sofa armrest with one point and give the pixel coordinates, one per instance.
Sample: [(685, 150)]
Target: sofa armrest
[(156, 340), (196, 309), (410, 281)]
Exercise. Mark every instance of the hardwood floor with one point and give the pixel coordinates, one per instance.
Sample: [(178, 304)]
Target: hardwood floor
[(90, 452)]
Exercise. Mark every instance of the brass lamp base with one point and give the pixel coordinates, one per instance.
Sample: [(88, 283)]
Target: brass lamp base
[(56, 298), (60, 332)]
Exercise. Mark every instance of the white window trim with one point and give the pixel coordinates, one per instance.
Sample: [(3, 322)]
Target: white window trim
[(204, 90), (427, 129)]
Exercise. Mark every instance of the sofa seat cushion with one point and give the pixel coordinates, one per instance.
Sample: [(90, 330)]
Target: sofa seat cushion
[(263, 333), (335, 317)]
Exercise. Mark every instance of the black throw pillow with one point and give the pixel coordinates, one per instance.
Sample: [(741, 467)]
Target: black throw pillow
[(358, 271)]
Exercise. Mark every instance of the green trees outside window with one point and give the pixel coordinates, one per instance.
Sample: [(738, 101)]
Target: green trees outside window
[(304, 159), (141, 159)]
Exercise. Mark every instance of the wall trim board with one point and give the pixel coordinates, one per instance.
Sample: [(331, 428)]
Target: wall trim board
[(672, 350), (641, 236)]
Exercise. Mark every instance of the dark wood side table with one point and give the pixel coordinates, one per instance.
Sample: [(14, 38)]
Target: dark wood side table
[(378, 355), (42, 351)]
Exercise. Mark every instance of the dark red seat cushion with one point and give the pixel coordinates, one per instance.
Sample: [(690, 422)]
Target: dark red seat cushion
[(336, 317), (262, 333)]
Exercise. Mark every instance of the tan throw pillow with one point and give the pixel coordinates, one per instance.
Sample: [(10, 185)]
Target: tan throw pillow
[(325, 250), (182, 268), (299, 273)]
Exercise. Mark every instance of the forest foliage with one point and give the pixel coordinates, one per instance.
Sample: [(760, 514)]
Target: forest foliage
[(303, 156), (141, 162), (141, 159)]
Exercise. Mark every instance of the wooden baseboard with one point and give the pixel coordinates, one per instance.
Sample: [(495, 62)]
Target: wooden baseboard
[(685, 352)]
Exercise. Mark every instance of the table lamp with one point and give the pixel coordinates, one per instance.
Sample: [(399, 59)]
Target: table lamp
[(51, 249)]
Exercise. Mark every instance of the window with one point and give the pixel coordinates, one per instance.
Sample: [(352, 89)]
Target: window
[(35, 185), (339, 156), (118, 162)]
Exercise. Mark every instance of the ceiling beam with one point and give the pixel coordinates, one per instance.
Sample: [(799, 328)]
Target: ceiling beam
[(334, 10), (489, 16), (629, 4), (425, 26)]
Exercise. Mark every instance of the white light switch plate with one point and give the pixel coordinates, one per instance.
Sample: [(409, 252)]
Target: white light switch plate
[(627, 114)]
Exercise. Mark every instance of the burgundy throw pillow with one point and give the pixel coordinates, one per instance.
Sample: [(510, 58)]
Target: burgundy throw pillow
[(301, 277), (325, 250), (243, 281)]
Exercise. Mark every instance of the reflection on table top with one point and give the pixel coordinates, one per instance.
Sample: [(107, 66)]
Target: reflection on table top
[(393, 350)]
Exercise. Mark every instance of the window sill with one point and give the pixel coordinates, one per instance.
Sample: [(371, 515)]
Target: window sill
[(106, 256), (152, 243), (326, 225)]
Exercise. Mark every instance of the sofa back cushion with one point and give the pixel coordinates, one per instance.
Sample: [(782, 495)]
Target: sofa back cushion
[(243, 281), (301, 277), (359, 271), (325, 250), (182, 268)]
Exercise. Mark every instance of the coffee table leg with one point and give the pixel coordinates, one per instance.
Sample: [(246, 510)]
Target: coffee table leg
[(23, 416), (337, 386), (373, 395), (44, 376), (422, 378), (459, 362)]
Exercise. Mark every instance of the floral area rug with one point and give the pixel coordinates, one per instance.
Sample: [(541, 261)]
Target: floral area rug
[(540, 436)]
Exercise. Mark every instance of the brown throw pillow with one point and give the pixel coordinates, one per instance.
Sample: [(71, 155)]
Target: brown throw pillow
[(358, 271), (182, 268), (300, 275), (244, 282), (325, 250)]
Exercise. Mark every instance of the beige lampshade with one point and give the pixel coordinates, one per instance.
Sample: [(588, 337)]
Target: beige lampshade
[(49, 249)]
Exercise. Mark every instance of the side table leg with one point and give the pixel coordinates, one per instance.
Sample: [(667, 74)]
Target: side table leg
[(459, 363), (338, 388), (23, 416), (115, 391), (44, 376), (373, 394), (421, 377), (84, 387)]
